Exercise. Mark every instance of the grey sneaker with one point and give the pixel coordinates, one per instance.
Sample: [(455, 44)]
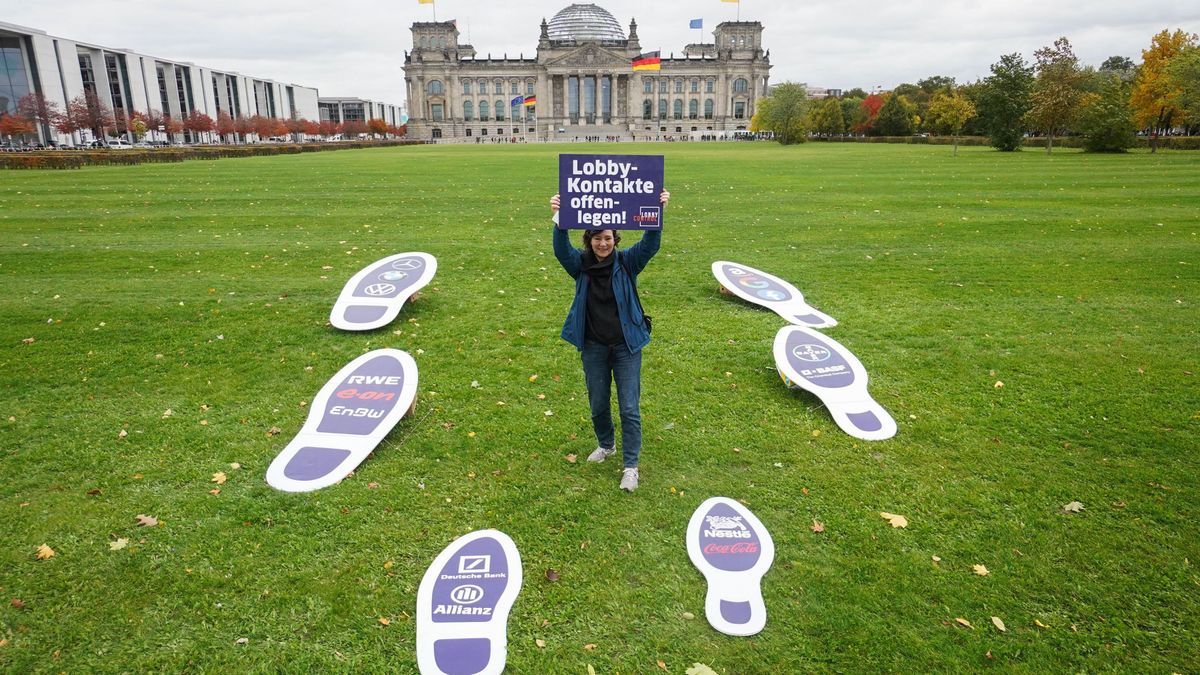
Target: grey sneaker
[(629, 479), (600, 454)]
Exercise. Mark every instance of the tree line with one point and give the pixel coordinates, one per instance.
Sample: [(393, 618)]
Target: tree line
[(89, 112), (1052, 96)]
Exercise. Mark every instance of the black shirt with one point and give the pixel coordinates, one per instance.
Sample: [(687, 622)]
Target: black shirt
[(603, 322)]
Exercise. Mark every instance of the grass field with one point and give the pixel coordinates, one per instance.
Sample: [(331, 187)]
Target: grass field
[(161, 320)]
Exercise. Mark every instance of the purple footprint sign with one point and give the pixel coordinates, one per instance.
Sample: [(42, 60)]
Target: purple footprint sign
[(463, 604), (610, 192), (733, 550), (771, 292), (818, 364), (374, 296), (351, 414)]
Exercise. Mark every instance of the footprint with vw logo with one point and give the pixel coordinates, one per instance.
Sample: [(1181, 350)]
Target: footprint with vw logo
[(374, 296), (463, 603), (820, 365), (771, 292)]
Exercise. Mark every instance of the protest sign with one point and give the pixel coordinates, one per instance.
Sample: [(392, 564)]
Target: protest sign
[(610, 192), (771, 292), (733, 550), (374, 296), (820, 365), (463, 603), (351, 414)]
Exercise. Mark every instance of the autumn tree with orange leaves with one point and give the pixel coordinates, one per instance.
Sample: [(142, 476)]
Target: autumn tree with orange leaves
[(1156, 94)]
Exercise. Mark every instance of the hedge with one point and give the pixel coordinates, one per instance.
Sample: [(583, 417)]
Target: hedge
[(1164, 143), (73, 159)]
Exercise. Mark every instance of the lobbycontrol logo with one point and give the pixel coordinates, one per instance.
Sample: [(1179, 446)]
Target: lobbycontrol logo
[(648, 216), (811, 353)]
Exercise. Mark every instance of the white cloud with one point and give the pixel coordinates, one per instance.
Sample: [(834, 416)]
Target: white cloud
[(357, 49)]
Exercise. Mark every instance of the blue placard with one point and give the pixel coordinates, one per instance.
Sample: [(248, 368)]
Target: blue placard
[(610, 192)]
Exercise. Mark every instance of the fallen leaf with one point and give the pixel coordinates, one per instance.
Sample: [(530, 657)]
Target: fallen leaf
[(1073, 507), (589, 647), (591, 670), (816, 432), (804, 490), (700, 669), (470, 434), (215, 491), (540, 643), (895, 520), (549, 413), (372, 485), (999, 624), (4, 643), (980, 570), (219, 478), (572, 458), (27, 341), (688, 616), (384, 621), (242, 641), (661, 664), (167, 413), (541, 397), (44, 552), (551, 575), (273, 431), (388, 565), (817, 526), (235, 466), (93, 492), (123, 434), (474, 384), (964, 622), (998, 385), (118, 544), (1039, 624), (936, 559), (17, 603), (146, 521), (533, 378)]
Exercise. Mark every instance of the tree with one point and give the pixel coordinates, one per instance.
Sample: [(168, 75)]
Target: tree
[(936, 83), (328, 128), (263, 127), (784, 113), (1057, 97), (353, 128), (138, 124), (826, 118), (856, 92), (198, 123), (1005, 100), (1106, 122), (378, 126), (868, 110), (155, 121), (311, 128), (1184, 71), (950, 112), (1122, 66), (1155, 93), (173, 127), (225, 125), (15, 125), (850, 109), (896, 116), (35, 108), (244, 127), (90, 112)]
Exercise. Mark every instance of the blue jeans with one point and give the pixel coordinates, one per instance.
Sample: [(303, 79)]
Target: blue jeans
[(601, 364)]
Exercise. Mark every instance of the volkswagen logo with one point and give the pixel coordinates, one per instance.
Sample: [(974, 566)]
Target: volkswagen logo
[(379, 289)]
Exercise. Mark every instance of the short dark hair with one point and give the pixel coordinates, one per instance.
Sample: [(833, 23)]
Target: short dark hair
[(588, 234)]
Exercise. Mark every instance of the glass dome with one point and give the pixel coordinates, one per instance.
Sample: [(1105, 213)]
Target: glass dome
[(585, 22)]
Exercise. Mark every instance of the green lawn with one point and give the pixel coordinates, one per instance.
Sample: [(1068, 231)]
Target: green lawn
[(204, 289)]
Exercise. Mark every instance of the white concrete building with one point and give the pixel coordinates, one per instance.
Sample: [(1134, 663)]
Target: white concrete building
[(343, 109), (60, 70)]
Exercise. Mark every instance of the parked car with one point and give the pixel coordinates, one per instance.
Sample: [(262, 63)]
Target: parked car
[(119, 144)]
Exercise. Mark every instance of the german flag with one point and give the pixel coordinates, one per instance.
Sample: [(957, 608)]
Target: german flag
[(530, 101), (647, 61)]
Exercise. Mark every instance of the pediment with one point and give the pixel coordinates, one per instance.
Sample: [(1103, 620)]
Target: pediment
[(590, 56)]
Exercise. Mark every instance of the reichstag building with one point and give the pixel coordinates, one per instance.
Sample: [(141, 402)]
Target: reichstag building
[(581, 83)]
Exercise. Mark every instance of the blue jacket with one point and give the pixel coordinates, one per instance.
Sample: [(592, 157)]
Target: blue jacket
[(629, 264)]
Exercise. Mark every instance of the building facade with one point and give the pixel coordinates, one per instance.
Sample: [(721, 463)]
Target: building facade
[(340, 110), (60, 70), (582, 81)]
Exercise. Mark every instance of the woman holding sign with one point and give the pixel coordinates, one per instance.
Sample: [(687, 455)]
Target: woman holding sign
[(606, 324)]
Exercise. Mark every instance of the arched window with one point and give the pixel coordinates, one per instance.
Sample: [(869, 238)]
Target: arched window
[(708, 109), (678, 108), (662, 108), (647, 109), (468, 110), (499, 110), (435, 87), (483, 110), (740, 85), (693, 109)]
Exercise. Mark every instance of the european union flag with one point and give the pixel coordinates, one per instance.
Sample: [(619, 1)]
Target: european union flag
[(696, 23), (517, 100)]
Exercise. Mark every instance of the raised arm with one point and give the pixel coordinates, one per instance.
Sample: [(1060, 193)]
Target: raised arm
[(641, 252), (568, 256)]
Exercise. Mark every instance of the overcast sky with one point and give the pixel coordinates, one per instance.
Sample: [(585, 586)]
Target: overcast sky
[(357, 48)]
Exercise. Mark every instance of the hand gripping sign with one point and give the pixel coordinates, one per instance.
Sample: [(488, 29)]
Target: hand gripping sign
[(373, 297), (733, 550), (346, 420), (818, 364), (771, 292), (610, 192), (463, 604)]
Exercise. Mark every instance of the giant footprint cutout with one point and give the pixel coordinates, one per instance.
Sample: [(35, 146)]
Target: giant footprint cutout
[(374, 296), (771, 292), (733, 550), (463, 604), (351, 414), (820, 365)]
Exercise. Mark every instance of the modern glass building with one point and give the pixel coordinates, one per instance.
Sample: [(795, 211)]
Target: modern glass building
[(582, 81), (59, 69)]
